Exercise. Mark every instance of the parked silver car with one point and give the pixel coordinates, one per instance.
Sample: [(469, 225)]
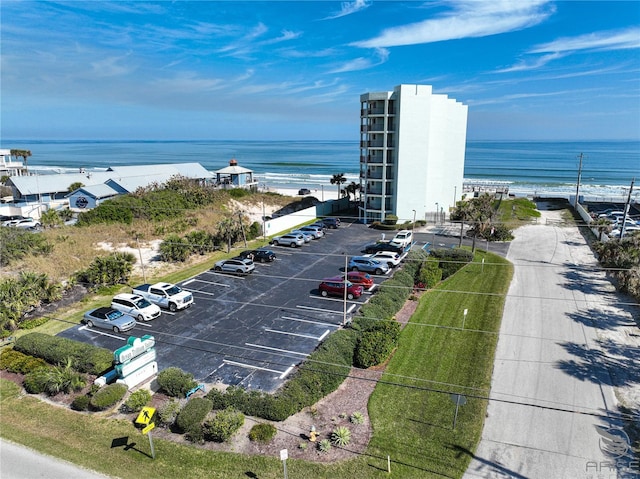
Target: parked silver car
[(315, 231), (368, 265), (307, 236), (109, 318), (290, 239), (235, 265)]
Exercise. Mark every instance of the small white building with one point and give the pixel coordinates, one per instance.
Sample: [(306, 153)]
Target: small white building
[(412, 149), (9, 166), (235, 176)]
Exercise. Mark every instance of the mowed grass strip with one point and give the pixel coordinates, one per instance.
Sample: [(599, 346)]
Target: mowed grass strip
[(413, 423)]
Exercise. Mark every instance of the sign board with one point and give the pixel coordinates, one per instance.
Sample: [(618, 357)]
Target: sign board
[(149, 428), (145, 416), (459, 399), (284, 454)]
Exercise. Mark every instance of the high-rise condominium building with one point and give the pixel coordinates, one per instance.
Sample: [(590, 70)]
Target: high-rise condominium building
[(412, 147)]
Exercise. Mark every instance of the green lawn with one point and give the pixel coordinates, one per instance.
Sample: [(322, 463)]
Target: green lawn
[(412, 423)]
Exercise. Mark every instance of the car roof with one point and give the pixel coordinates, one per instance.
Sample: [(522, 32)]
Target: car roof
[(104, 310), (334, 279), (127, 296)]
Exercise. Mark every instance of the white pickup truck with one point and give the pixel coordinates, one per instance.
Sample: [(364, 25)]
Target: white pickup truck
[(165, 295)]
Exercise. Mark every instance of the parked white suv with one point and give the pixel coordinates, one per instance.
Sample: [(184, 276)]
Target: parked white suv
[(290, 239), (391, 258), (136, 306), (403, 238)]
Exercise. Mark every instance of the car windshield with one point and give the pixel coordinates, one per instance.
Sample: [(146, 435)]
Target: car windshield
[(111, 315), (142, 303), (173, 290)]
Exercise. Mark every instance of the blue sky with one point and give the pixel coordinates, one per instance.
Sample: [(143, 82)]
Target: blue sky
[(527, 69)]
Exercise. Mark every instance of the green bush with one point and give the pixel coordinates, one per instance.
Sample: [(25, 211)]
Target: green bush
[(357, 418), (174, 249), (451, 260), (109, 270), (137, 400), (175, 382), (168, 411), (218, 398), (35, 381), (16, 243), (429, 274), (81, 403), (223, 425), (55, 350), (238, 193), (375, 346), (108, 396), (33, 323), (262, 433), (341, 436), (390, 219), (191, 416), (17, 362)]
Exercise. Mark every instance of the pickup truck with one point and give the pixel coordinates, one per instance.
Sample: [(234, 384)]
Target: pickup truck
[(165, 295)]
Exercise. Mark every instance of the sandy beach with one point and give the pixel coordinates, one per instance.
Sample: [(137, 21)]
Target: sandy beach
[(323, 194)]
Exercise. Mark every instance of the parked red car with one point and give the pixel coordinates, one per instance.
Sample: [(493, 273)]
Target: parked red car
[(335, 287), (361, 278)]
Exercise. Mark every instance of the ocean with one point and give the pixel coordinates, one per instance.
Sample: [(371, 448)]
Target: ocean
[(526, 167)]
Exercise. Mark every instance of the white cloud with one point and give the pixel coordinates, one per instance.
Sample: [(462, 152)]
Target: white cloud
[(110, 67), (362, 63), (348, 8), (609, 40), (469, 18)]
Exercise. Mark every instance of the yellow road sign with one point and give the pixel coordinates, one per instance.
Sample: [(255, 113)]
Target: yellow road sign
[(149, 428), (145, 416)]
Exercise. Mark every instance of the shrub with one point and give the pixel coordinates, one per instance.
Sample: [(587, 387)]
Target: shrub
[(390, 219), (81, 403), (191, 416), (262, 432), (324, 445), (108, 396), (17, 362), (451, 260), (217, 398), (168, 411), (137, 400), (85, 357), (429, 274), (357, 418), (33, 323), (223, 425), (341, 436), (375, 346), (35, 381), (109, 270), (175, 382), (174, 249)]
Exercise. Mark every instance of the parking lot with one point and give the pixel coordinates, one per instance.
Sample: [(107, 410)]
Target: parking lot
[(253, 330)]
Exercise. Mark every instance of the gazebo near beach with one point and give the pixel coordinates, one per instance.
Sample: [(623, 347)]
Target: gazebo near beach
[(235, 176)]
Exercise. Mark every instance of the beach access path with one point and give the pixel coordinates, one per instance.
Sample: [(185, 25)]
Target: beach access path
[(567, 348)]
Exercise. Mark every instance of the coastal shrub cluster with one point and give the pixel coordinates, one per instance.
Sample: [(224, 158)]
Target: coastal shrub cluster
[(262, 432), (137, 401), (155, 203), (16, 243), (55, 350), (54, 379), (17, 362), (623, 259), (23, 294), (223, 425), (191, 416), (109, 270)]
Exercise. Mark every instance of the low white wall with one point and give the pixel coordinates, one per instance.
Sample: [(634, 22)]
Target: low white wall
[(288, 222)]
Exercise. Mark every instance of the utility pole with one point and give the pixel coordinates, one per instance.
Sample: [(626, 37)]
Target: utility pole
[(575, 204), (626, 210)]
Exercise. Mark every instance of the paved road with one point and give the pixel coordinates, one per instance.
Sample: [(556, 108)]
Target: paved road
[(19, 462), (549, 357)]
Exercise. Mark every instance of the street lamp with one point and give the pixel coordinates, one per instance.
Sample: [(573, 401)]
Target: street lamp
[(413, 226), (437, 210)]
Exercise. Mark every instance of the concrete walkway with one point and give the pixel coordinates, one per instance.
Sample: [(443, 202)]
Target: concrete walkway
[(564, 331)]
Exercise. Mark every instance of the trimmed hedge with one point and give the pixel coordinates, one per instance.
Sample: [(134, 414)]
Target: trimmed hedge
[(191, 416), (137, 400), (17, 362), (56, 350), (175, 382), (108, 396), (375, 345), (451, 260), (429, 275)]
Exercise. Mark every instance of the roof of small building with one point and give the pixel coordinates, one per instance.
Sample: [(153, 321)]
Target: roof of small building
[(96, 191), (233, 170)]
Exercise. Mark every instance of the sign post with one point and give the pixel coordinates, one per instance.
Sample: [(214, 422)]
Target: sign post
[(459, 400), (464, 317), (146, 420), (284, 454)]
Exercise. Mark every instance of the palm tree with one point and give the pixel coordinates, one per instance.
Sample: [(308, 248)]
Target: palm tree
[(22, 153), (338, 179), (352, 189), (603, 225)]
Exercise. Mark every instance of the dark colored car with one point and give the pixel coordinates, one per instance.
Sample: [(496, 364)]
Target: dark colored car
[(304, 191), (383, 246), (259, 255), (360, 277), (332, 223), (335, 287)]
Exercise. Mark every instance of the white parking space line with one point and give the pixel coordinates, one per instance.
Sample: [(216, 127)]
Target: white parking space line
[(206, 293), (85, 327), (146, 325), (321, 310), (276, 349), (324, 335), (228, 275), (286, 373), (295, 334), (213, 282), (322, 323), (250, 366), (335, 300), (188, 282)]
